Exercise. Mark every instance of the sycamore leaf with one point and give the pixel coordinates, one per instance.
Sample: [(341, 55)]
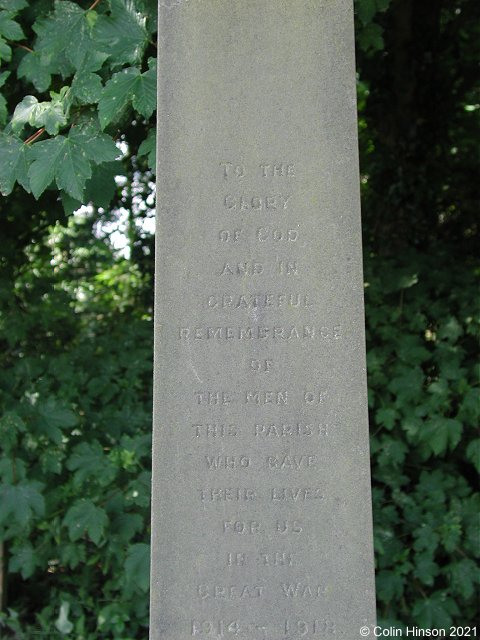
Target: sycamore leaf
[(425, 538), (13, 164), (11, 426), (128, 85), (122, 34), (21, 502), (5, 50), (149, 148), (441, 434), (85, 518), (366, 10), (390, 586), (426, 569), (23, 560), (88, 460), (4, 77), (93, 61), (23, 113), (407, 385), (451, 531), (70, 205), (451, 330), (137, 566), (463, 577), (13, 5), (144, 98), (66, 33), (435, 611), (101, 187), (473, 453), (3, 110), (126, 525), (370, 39), (45, 159), (60, 159), (392, 453), (52, 418), (10, 29), (97, 146), (72, 554), (386, 416), (33, 69), (87, 87), (50, 115), (149, 8), (117, 95)]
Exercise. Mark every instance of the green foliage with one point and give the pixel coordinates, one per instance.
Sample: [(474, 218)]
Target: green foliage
[(10, 30), (75, 431), (92, 62), (77, 83), (128, 87), (369, 31), (421, 364)]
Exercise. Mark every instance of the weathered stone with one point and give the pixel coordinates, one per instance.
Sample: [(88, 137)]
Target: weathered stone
[(261, 490)]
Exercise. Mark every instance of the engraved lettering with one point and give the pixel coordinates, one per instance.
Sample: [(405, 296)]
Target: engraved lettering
[(218, 628), (287, 333), (315, 397), (213, 397), (242, 527), (256, 203), (264, 234), (297, 430), (261, 366), (227, 462), (291, 462), (225, 235), (238, 559), (266, 397), (229, 592), (301, 590), (229, 494), (214, 431), (276, 559), (278, 170), (296, 494), (288, 526), (242, 269), (230, 170), (256, 301), (287, 268)]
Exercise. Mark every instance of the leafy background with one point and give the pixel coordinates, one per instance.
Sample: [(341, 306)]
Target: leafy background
[(77, 83)]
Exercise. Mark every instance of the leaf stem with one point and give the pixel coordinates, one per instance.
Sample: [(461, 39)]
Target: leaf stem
[(23, 46), (35, 136), (94, 5)]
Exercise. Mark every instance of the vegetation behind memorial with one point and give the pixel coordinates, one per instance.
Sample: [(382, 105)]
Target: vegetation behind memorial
[(77, 106)]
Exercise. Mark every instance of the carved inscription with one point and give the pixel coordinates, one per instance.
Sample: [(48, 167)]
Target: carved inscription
[(258, 479), (288, 333), (226, 447), (233, 460)]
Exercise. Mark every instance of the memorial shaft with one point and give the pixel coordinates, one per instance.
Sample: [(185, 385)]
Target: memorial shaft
[(261, 509)]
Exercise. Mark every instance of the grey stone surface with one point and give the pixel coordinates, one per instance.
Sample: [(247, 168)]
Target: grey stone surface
[(261, 488)]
